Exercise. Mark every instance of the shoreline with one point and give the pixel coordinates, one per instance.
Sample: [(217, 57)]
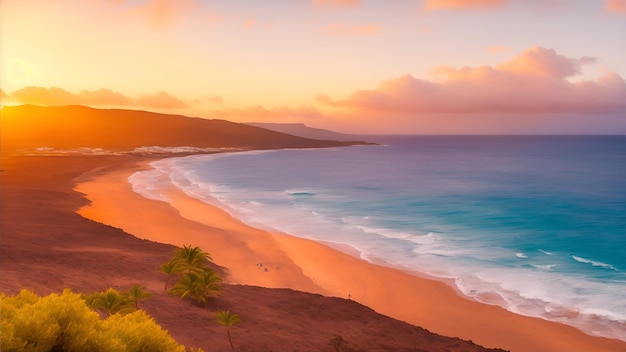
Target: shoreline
[(306, 265)]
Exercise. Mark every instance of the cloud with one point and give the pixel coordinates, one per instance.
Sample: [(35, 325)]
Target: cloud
[(163, 14), (103, 97), (58, 96), (338, 3), (250, 23), (45, 96), (461, 4), (345, 29), (261, 114), (214, 99), (545, 62), (536, 81), (617, 6), (157, 14), (161, 100)]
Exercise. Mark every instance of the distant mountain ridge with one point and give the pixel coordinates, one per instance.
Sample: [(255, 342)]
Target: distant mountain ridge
[(302, 130), (65, 127)]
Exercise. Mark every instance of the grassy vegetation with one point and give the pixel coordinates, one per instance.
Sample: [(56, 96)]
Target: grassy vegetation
[(73, 322), (65, 322)]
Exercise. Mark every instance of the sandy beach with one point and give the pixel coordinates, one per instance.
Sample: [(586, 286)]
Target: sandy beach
[(256, 257), (47, 247)]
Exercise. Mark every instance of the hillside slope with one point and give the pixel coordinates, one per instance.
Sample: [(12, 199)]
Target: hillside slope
[(66, 127), (302, 130)]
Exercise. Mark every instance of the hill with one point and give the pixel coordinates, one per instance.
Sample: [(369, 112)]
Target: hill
[(67, 127), (302, 130)]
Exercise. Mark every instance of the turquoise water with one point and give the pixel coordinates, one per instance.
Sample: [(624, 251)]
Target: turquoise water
[(536, 224)]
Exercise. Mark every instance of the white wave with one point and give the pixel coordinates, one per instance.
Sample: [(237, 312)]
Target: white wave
[(543, 267), (549, 295), (74, 151), (150, 184), (521, 255), (594, 263), (173, 150), (399, 235), (545, 252), (144, 150)]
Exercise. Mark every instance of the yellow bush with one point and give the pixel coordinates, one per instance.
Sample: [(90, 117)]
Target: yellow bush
[(65, 322)]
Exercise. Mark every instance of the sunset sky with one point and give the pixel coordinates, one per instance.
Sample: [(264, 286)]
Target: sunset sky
[(357, 66)]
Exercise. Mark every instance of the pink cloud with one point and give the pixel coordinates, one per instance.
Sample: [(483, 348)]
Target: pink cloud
[(535, 81), (461, 4), (338, 3), (261, 114), (163, 14), (161, 100), (545, 62), (617, 6), (57, 96), (249, 23), (345, 29)]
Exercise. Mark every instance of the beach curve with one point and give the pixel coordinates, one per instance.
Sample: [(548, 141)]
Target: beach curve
[(257, 257)]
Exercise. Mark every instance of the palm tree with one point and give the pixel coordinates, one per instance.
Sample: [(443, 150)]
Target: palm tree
[(190, 259), (110, 301), (210, 282), (136, 293), (187, 287), (170, 268), (227, 319), (198, 286)]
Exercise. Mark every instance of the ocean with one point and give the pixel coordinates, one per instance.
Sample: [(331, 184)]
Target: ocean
[(535, 224)]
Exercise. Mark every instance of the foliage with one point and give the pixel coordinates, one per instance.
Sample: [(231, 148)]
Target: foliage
[(137, 293), (197, 281), (110, 301), (190, 259), (227, 319), (168, 269), (65, 323), (198, 286), (140, 333)]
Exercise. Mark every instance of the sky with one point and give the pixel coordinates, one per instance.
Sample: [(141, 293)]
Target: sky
[(355, 66)]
